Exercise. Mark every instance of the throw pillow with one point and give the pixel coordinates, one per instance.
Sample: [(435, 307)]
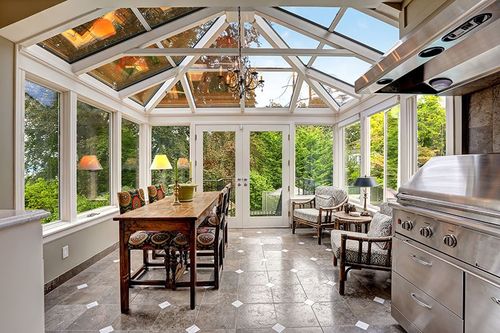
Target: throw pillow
[(324, 201), (380, 226)]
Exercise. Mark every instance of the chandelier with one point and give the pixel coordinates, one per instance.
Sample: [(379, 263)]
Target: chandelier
[(241, 79)]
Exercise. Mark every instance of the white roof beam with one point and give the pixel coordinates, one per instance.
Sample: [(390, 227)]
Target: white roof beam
[(296, 93), (188, 93), (211, 51), (321, 91), (394, 21), (148, 83), (331, 81), (143, 40), (311, 30), (275, 40), (159, 94), (208, 38)]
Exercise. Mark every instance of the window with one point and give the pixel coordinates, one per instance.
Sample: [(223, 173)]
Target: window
[(308, 98), (313, 157), (175, 98), (172, 141), (352, 158), (130, 155), (318, 15), (41, 150), (431, 127), (347, 69), (277, 91), (93, 150), (384, 154)]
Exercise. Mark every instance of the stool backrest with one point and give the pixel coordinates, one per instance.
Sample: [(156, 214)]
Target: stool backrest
[(156, 192), (130, 200)]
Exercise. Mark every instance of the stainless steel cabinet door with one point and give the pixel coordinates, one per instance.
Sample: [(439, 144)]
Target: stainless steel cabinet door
[(482, 306)]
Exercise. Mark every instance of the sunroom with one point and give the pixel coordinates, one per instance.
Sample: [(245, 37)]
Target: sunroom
[(248, 167)]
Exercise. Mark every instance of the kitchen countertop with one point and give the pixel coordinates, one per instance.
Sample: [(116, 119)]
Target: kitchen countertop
[(9, 218)]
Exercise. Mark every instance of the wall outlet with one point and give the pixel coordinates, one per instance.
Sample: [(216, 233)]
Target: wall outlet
[(65, 251)]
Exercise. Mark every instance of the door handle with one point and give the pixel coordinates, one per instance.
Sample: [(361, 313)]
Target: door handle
[(420, 261), (419, 302)]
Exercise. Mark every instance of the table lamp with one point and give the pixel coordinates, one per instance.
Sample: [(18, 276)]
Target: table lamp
[(161, 162), (91, 163), (365, 182)]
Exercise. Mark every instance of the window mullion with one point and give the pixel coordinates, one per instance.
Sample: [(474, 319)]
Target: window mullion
[(384, 187), (116, 157), (68, 154)]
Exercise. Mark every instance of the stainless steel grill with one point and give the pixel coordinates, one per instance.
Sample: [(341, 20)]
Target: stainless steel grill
[(446, 263)]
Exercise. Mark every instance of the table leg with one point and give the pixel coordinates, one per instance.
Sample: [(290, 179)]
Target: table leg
[(192, 265), (124, 269)]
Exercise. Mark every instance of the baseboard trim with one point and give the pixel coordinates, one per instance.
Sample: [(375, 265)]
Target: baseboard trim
[(51, 285)]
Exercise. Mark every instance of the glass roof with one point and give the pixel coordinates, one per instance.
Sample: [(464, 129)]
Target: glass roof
[(277, 91), (347, 69), (161, 15), (339, 97), (367, 30), (144, 96), (209, 91), (175, 98), (322, 16), (268, 62), (94, 36), (294, 39), (308, 98)]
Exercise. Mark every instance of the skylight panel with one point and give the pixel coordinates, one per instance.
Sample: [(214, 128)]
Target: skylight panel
[(294, 39), (308, 98), (175, 98), (367, 30), (322, 16), (340, 97), (209, 91), (347, 69), (277, 91), (258, 40), (268, 62), (160, 15), (144, 96), (91, 37)]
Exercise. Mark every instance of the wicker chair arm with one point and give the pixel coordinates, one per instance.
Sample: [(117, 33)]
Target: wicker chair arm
[(302, 204), (365, 239)]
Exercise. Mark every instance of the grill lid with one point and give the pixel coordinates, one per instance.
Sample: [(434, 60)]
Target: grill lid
[(466, 184)]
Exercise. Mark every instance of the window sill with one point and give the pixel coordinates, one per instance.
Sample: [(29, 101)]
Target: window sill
[(58, 229)]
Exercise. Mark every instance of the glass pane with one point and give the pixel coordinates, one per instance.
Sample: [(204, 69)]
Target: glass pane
[(352, 140), (340, 97), (219, 158), (161, 15), (126, 71), (94, 36), (258, 40), (309, 99), (144, 96), (268, 62), (294, 39), (210, 91), (130, 155), (347, 69), (172, 141), (215, 62), (277, 91), (93, 150), (229, 37), (431, 127), (368, 30), (392, 153), (313, 157), (377, 158), (318, 15), (265, 173), (175, 98), (41, 150)]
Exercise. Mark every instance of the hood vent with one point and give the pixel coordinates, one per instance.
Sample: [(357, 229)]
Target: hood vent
[(453, 52)]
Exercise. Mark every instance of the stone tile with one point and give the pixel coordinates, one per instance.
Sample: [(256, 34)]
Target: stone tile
[(216, 316), (139, 317), (296, 315), (253, 278), (96, 318), (283, 277), (288, 293), (60, 317), (256, 316), (334, 313), (175, 318), (255, 294)]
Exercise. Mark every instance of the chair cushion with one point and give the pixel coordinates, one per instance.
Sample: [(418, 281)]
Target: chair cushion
[(385, 209), (149, 239), (156, 192), (329, 196), (324, 201), (380, 226), (308, 214), (205, 238), (378, 257), (130, 200)]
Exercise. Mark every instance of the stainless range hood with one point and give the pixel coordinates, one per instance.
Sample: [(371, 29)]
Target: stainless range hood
[(455, 51)]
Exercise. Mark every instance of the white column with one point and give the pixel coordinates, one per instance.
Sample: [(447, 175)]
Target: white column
[(453, 125), (338, 156), (68, 159), (144, 155), (407, 138), (365, 145), (116, 156)]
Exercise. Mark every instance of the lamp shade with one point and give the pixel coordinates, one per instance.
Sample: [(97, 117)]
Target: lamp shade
[(161, 162), (183, 163), (90, 163), (365, 182)]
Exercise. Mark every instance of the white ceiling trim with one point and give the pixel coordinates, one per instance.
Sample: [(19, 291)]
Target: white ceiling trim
[(211, 51)]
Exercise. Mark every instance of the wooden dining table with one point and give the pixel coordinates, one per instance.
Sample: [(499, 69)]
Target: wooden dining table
[(163, 216)]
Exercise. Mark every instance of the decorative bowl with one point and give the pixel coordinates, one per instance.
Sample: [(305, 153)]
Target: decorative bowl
[(186, 192)]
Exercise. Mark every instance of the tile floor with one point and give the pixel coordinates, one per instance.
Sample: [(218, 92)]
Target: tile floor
[(269, 284)]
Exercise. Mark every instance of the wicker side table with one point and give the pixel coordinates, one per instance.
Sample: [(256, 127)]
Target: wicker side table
[(345, 221)]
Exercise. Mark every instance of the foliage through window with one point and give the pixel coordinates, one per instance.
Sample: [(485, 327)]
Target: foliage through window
[(431, 127), (93, 151), (130, 155), (313, 157), (41, 149), (352, 158)]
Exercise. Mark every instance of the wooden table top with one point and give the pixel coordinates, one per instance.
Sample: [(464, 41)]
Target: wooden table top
[(164, 210), (346, 217)]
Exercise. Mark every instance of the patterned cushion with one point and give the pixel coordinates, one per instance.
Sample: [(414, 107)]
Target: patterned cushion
[(130, 200), (211, 221), (378, 257), (385, 209), (156, 192), (380, 226), (205, 238), (329, 195), (149, 239), (308, 214)]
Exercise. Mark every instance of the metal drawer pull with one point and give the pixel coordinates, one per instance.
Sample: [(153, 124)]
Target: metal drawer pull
[(420, 261), (419, 302), (495, 300)]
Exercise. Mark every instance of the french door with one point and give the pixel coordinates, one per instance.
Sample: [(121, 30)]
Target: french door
[(255, 160)]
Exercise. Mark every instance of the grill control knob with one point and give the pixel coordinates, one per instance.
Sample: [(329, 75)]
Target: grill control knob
[(407, 225), (450, 240), (426, 232)]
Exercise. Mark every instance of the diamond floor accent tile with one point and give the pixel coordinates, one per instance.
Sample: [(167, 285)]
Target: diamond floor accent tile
[(116, 260), (263, 260), (284, 250), (239, 271), (331, 283), (106, 329), (164, 305), (269, 285), (278, 328), (314, 259), (237, 303), (293, 270), (362, 325), (309, 302), (261, 243), (301, 243), (259, 232), (328, 250), (379, 300), (82, 286), (192, 329), (241, 237), (92, 305), (240, 251)]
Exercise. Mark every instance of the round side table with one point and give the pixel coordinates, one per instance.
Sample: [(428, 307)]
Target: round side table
[(345, 220)]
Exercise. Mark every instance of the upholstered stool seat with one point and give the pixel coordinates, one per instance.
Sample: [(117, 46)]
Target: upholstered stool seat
[(150, 239)]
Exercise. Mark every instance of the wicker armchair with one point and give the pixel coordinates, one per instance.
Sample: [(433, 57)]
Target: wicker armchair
[(356, 250), (318, 212)]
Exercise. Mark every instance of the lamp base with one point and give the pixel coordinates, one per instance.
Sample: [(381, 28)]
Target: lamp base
[(176, 194)]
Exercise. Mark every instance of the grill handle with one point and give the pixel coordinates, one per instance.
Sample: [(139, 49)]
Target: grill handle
[(495, 300), (420, 261), (419, 302)]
